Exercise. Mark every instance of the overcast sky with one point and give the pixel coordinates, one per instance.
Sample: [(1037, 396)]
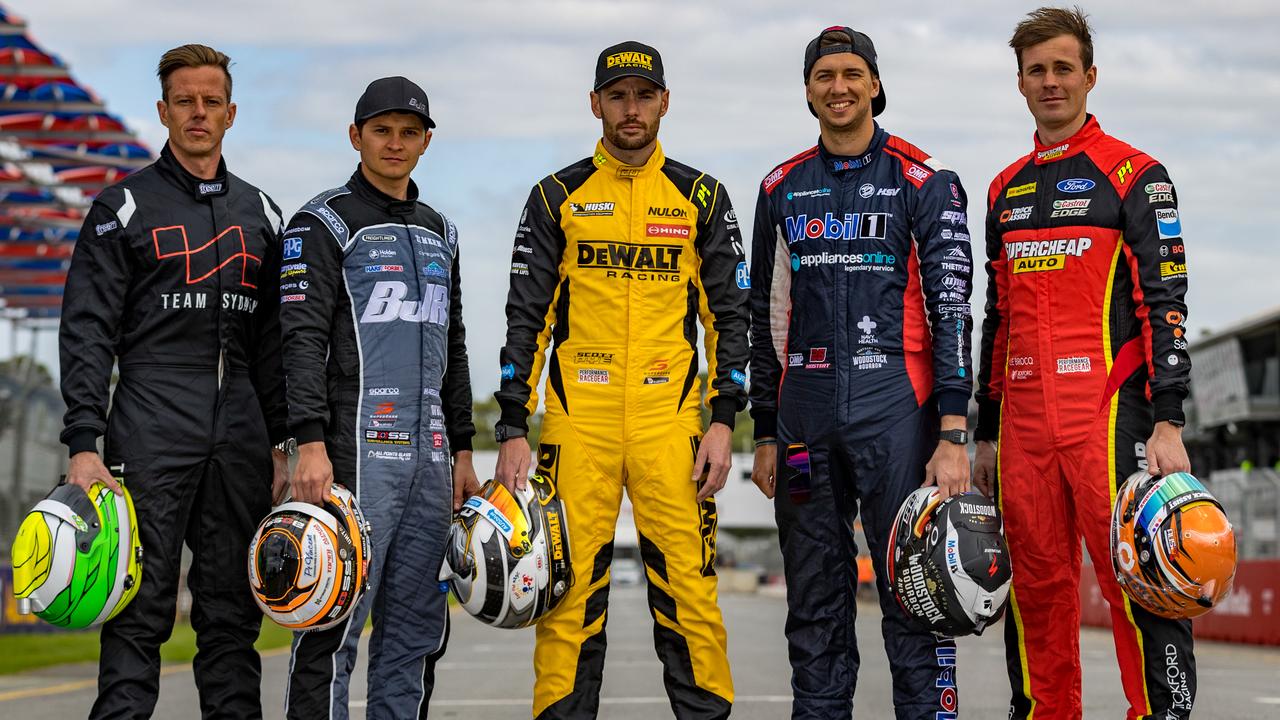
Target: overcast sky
[(1195, 84)]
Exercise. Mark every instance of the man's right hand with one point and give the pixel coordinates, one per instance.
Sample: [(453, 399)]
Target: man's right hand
[(512, 470), (313, 477), (764, 467), (86, 468), (984, 468)]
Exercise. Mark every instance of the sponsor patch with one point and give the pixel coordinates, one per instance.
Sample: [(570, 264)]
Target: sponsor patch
[(593, 376), (1018, 190), (1070, 365), (666, 231), (1076, 185), (1168, 224)]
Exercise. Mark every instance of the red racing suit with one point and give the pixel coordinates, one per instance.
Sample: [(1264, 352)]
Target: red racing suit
[(1083, 349)]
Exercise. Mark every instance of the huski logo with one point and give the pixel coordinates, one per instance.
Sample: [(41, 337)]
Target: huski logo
[(591, 209)]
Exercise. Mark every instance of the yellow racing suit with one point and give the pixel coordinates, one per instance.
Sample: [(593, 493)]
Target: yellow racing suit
[(613, 266)]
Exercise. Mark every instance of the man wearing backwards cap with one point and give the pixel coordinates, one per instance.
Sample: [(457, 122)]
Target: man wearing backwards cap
[(860, 356), (616, 258), (379, 401)]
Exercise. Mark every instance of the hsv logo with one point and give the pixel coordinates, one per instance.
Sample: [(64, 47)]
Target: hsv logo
[(387, 303), (658, 230), (228, 248)]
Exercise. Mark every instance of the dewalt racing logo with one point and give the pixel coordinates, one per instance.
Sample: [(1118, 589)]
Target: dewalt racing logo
[(629, 59), (631, 261), (1044, 255)]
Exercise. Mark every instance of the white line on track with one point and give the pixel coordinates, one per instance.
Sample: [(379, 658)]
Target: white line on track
[(524, 702)]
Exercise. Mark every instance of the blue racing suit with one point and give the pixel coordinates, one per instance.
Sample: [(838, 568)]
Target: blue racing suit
[(860, 337)]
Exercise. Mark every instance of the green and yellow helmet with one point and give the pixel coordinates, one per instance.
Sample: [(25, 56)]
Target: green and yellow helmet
[(77, 559)]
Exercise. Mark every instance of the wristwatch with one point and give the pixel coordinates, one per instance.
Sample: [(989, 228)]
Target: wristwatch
[(504, 433), (959, 437), (288, 447)]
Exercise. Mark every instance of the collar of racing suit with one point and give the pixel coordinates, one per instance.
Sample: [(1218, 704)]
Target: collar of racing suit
[(1074, 145), (200, 188), (605, 161), (838, 164), (365, 190)]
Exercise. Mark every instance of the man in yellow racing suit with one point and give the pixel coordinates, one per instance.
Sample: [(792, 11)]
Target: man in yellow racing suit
[(616, 259)]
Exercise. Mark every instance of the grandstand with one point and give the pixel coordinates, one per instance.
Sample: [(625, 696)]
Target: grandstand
[(59, 147)]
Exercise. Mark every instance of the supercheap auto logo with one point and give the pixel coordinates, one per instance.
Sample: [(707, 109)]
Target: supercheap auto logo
[(1044, 255)]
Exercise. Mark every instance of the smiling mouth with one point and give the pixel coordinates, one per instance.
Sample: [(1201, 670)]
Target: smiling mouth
[(840, 105)]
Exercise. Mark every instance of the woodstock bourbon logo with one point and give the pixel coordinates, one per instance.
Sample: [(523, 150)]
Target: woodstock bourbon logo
[(203, 261)]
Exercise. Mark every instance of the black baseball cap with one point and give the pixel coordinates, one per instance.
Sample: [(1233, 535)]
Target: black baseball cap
[(629, 59), (861, 46), (393, 94)]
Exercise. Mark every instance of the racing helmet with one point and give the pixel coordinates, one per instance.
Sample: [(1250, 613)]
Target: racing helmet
[(948, 563), (1172, 547), (77, 558), (309, 564), (507, 558)]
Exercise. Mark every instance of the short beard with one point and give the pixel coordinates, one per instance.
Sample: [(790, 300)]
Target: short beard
[(618, 141)]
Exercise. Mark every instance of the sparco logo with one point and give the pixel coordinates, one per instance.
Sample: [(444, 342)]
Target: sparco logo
[(387, 303)]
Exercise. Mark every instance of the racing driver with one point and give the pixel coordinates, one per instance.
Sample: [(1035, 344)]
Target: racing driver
[(616, 258), (172, 278), (1082, 375), (379, 400), (860, 375)]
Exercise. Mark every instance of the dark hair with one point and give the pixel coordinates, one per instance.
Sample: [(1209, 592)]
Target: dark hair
[(834, 37), (1048, 23), (191, 56)]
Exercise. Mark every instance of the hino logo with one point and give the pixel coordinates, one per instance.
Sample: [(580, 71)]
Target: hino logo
[(387, 303)]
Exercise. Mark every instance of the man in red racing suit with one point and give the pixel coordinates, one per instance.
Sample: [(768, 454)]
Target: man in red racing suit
[(1082, 375)]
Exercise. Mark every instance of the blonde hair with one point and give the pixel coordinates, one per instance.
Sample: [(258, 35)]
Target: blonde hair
[(191, 56)]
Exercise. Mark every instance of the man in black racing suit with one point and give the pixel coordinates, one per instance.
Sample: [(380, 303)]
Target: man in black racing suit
[(173, 277)]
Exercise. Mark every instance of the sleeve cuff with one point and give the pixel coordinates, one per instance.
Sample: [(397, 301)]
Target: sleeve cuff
[(766, 423), (514, 416), (724, 410), (310, 431), (82, 441), (458, 443), (988, 420), (953, 402), (1168, 406)]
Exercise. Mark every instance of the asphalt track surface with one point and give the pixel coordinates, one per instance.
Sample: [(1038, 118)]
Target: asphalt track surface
[(487, 674)]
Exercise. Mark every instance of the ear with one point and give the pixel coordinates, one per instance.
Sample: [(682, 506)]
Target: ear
[(426, 140), (666, 102), (354, 134), (1090, 78), (875, 87), (162, 109), (231, 114), (1021, 88), (595, 104), (808, 94)]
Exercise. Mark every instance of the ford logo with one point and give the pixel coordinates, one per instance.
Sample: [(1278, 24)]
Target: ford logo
[(1076, 185)]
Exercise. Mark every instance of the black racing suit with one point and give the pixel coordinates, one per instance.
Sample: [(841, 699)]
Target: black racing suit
[(860, 336), (376, 359), (173, 277)]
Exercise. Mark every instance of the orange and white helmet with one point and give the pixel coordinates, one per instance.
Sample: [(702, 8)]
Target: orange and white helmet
[(1172, 547), (309, 564)]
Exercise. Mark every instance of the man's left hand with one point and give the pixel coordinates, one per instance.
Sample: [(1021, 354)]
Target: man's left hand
[(715, 455), (279, 476), (1165, 451), (465, 483), (948, 469)]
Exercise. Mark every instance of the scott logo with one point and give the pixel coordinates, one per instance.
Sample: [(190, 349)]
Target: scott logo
[(387, 303)]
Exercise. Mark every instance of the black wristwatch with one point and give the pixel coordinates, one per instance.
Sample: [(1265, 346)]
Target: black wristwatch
[(288, 447), (959, 437), (504, 433)]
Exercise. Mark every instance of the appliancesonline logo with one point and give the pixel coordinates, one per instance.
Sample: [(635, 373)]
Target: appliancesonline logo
[(853, 226), (876, 261)]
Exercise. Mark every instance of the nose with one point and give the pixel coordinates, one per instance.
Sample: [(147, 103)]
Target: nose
[(199, 107)]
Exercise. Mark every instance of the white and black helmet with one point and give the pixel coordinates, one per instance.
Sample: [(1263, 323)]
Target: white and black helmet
[(309, 564), (507, 558), (948, 563)]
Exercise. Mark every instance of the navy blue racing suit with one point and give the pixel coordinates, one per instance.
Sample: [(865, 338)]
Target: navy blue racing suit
[(376, 366), (860, 337)]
